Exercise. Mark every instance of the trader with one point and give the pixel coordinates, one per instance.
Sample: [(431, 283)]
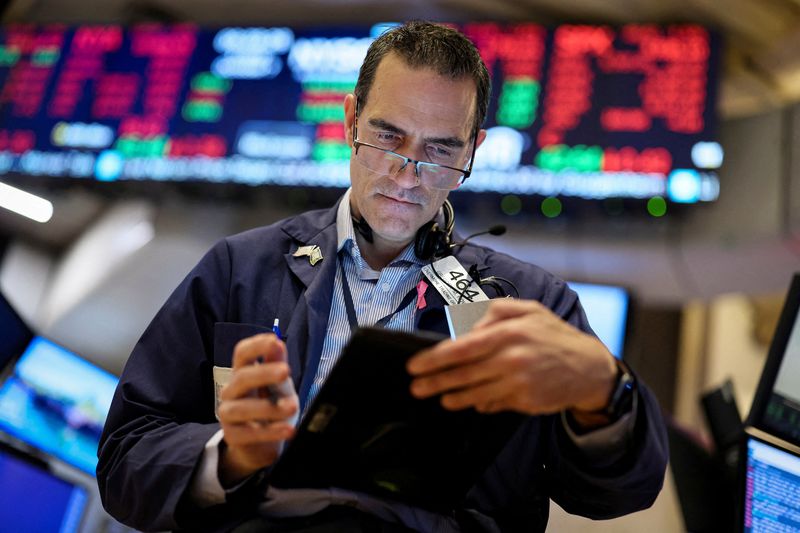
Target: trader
[(187, 443)]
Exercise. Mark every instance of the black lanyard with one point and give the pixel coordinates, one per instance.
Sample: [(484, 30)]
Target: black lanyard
[(351, 308)]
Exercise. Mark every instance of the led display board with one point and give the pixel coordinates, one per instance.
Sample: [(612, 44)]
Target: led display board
[(576, 110)]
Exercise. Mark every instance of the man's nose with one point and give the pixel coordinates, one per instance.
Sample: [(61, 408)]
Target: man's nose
[(407, 177)]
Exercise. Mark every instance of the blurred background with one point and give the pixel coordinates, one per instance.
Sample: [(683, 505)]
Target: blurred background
[(648, 150)]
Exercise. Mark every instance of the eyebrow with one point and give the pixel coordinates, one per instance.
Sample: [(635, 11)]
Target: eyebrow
[(450, 142)]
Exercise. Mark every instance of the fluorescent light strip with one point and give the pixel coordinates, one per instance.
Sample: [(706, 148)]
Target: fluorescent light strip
[(25, 203)]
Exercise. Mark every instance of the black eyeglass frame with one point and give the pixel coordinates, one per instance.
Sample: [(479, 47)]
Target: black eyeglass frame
[(466, 173)]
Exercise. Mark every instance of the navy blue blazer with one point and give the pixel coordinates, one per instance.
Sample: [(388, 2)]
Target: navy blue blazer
[(163, 410)]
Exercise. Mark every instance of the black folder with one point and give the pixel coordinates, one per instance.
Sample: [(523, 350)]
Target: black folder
[(365, 432)]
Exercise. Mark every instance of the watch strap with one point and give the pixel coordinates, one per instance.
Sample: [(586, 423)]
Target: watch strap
[(621, 397)]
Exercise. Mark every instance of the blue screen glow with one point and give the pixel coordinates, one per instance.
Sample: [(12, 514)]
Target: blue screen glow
[(606, 308), (35, 500), (57, 402)]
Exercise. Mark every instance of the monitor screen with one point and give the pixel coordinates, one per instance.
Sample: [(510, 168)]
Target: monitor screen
[(57, 402), (577, 110), (606, 307), (783, 409), (14, 333), (776, 405), (771, 488), (36, 500)]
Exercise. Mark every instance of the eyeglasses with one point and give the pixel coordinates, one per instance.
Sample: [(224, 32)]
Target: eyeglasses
[(389, 163)]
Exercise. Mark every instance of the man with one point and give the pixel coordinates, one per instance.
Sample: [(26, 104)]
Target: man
[(413, 124)]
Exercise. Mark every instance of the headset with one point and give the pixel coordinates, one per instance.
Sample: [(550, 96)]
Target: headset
[(431, 240)]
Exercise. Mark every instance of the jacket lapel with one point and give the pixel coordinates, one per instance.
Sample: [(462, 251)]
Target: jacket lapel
[(310, 317)]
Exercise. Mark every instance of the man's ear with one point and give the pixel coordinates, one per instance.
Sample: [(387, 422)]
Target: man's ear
[(350, 117), (481, 138)]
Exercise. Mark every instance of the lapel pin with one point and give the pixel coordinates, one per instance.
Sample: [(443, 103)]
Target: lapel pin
[(311, 251)]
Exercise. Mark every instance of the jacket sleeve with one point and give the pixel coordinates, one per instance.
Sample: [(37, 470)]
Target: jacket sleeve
[(598, 488), (162, 413)]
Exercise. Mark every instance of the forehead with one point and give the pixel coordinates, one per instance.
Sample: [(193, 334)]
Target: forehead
[(420, 99)]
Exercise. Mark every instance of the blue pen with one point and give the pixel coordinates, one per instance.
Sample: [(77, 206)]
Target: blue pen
[(274, 390)]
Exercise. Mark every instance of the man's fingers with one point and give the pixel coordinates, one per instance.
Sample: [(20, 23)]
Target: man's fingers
[(445, 354), (256, 409), (489, 393), (458, 377), (262, 347), (469, 348), (247, 434), (475, 345), (505, 375), (497, 406), (503, 308), (246, 379)]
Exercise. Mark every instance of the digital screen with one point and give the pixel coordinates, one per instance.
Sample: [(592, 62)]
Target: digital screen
[(772, 489), (577, 110), (36, 500), (782, 413), (606, 308), (57, 402)]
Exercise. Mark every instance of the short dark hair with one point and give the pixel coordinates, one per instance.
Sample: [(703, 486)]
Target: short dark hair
[(424, 44)]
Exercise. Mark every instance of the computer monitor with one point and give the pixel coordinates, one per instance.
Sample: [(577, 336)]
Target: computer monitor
[(57, 402), (14, 333), (36, 499), (776, 405), (606, 307), (771, 486), (769, 481)]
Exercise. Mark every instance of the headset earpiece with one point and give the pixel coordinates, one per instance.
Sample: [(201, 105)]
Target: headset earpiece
[(431, 240), (425, 243)]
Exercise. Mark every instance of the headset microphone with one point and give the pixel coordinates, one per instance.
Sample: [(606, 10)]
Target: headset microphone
[(495, 230), (499, 229)]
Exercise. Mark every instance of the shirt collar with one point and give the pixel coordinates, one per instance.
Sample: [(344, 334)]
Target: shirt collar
[(344, 223), (347, 237)]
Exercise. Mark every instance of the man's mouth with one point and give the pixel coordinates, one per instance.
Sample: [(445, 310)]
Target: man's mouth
[(399, 200)]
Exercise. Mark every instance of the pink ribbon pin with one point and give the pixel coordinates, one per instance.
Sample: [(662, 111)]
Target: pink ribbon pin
[(421, 288)]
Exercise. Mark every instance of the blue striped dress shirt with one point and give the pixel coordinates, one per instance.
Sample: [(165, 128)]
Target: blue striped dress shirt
[(376, 294)]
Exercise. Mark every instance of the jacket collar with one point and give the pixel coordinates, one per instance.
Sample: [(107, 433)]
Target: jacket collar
[(313, 228)]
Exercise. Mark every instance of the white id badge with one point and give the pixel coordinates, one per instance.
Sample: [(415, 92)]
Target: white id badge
[(453, 282), (222, 375), (461, 318)]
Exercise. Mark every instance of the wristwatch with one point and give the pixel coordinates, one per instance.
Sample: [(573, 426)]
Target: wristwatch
[(621, 398)]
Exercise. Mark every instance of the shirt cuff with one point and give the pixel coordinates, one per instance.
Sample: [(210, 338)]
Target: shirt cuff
[(606, 441), (205, 489)]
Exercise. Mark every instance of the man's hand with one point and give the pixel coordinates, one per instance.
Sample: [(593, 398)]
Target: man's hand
[(255, 428), (518, 357)]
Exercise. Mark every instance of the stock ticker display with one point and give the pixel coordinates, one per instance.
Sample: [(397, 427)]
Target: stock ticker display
[(576, 110)]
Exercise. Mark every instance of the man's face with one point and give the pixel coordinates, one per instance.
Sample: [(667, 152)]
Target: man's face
[(415, 113)]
